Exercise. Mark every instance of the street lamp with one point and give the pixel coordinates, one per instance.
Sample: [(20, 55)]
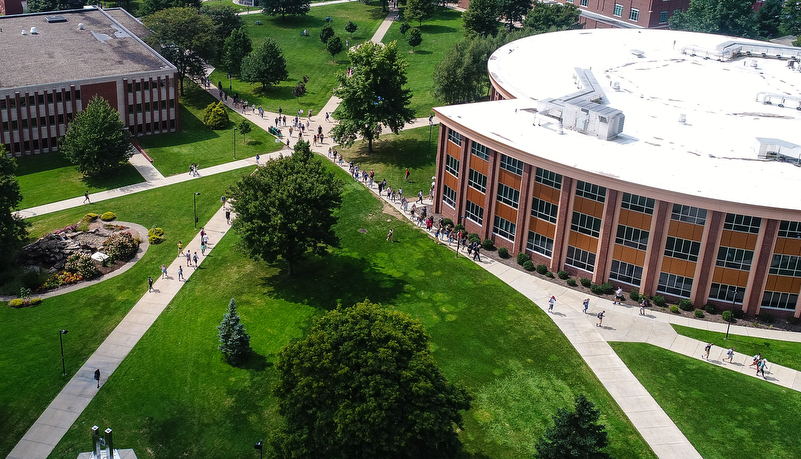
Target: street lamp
[(194, 204), (734, 298), (234, 143), (259, 446), (61, 341)]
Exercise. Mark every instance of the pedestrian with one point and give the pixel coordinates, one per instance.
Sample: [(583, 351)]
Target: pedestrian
[(469, 249), (188, 259), (642, 307), (180, 247), (257, 159), (228, 216), (194, 258), (600, 318), (203, 248), (618, 296), (420, 196), (97, 377), (149, 283), (458, 241), (586, 304), (757, 358), (163, 271), (730, 354), (761, 367), (476, 249), (551, 302), (389, 236), (180, 273), (202, 232), (707, 350), (407, 175), (86, 197)]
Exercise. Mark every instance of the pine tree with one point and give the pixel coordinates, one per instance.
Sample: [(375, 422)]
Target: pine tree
[(574, 434), (234, 339)]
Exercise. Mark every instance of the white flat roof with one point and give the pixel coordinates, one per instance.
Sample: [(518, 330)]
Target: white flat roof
[(713, 155)]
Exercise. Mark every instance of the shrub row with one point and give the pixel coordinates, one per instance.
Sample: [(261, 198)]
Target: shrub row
[(19, 302)]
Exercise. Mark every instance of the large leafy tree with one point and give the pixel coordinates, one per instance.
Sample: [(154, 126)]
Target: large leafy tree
[(791, 17), (575, 434), (334, 46), (39, 6), (481, 18), (374, 94), (769, 19), (418, 10), (362, 385), (265, 65), (552, 17), (12, 228), (225, 19), (97, 140), (237, 47), (184, 38), (461, 75), (724, 17), (286, 208), (149, 7), (513, 10), (285, 7)]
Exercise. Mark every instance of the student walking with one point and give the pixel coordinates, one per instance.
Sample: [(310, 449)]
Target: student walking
[(203, 249), (600, 318), (642, 307), (707, 350), (188, 258), (228, 216), (163, 271), (420, 196), (757, 358), (761, 367), (730, 354), (194, 258), (180, 248), (586, 304), (149, 284), (389, 236), (407, 175), (86, 197), (97, 377), (180, 273), (476, 249), (551, 302)]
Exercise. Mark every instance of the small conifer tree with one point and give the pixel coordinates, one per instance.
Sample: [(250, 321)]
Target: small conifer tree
[(234, 339), (574, 434)]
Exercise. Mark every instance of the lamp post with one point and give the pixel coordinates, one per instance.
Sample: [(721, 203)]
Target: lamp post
[(194, 204), (259, 447), (229, 82), (61, 341), (728, 326), (234, 143)]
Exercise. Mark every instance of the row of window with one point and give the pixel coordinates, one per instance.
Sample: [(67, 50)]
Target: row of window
[(35, 122), (139, 108), (39, 99), (36, 143), (144, 85), (634, 13)]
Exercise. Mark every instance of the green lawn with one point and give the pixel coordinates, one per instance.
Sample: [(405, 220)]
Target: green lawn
[(440, 32), (195, 143), (31, 360), (50, 177), (174, 396), (304, 55), (783, 353), (724, 414)]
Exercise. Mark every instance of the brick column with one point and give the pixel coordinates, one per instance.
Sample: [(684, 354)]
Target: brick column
[(50, 145), (464, 173), (439, 170), (653, 256), (490, 195), (604, 240), (757, 279), (562, 224), (523, 206), (706, 260)]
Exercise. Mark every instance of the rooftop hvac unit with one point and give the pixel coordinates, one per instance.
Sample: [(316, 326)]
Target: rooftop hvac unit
[(34, 31), (54, 19)]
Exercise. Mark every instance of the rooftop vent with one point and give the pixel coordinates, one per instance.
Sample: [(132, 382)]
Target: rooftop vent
[(24, 32), (34, 31), (80, 26), (54, 19)]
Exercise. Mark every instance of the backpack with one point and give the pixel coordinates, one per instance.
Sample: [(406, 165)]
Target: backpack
[(600, 315)]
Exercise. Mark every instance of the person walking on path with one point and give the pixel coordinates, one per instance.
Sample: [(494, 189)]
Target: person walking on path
[(551, 302), (149, 284), (180, 248), (180, 273), (707, 350), (730, 354), (188, 258), (642, 307), (163, 271), (420, 196), (228, 216), (97, 377), (761, 367), (618, 296), (601, 318), (586, 304), (203, 249), (257, 159), (757, 358), (389, 236), (194, 258), (407, 175), (476, 249), (86, 197)]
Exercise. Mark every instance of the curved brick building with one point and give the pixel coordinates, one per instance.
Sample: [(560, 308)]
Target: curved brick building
[(666, 161)]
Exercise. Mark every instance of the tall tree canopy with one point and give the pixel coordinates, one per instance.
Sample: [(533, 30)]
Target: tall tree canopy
[(769, 19), (791, 14), (724, 17), (285, 7), (237, 47), (97, 140), (513, 10), (481, 18), (574, 434), (362, 385), (225, 18), (184, 38), (286, 209), (12, 228), (265, 65), (39, 6), (418, 10), (374, 94), (461, 75), (149, 7), (552, 17)]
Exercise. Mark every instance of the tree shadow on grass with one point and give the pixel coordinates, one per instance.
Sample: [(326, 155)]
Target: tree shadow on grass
[(125, 175), (325, 281), (436, 29), (396, 152), (255, 362), (421, 52)]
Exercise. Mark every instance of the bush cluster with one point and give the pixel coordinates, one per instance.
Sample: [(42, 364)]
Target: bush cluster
[(522, 258), (727, 316), (542, 269), (709, 308), (503, 252), (596, 289), (699, 313), (473, 237), (659, 300), (585, 282), (634, 295), (607, 288), (549, 275), (215, 115), (61, 278), (120, 246), (686, 305), (155, 235), (674, 309), (82, 264), (563, 274), (19, 302), (108, 216), (572, 282), (487, 244), (528, 265)]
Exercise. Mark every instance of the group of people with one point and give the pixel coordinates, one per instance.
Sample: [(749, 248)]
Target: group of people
[(193, 170)]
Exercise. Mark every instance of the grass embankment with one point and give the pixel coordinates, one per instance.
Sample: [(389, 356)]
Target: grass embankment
[(724, 414)]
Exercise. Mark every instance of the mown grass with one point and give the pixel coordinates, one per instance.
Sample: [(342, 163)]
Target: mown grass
[(174, 395), (724, 414), (172, 153), (31, 360), (783, 353)]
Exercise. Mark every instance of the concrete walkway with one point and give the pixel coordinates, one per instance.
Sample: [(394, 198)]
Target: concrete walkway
[(54, 422)]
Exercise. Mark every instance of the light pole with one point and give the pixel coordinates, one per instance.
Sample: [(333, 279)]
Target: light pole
[(61, 341), (229, 82), (194, 204), (234, 143), (733, 299), (259, 447)]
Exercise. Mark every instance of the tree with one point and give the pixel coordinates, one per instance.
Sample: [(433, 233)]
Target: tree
[(149, 7), (513, 10), (461, 75), (791, 17), (481, 18), (237, 47), (286, 208), (769, 19), (724, 17), (225, 18), (244, 127), (574, 434), (39, 6), (334, 46), (234, 339), (265, 65), (284, 7), (326, 33), (363, 384), (351, 27), (415, 38), (374, 95), (404, 27), (13, 229), (216, 115), (299, 90), (97, 140), (552, 17), (418, 10), (184, 38)]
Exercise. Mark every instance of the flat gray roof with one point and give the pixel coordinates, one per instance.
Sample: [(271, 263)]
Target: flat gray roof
[(61, 52)]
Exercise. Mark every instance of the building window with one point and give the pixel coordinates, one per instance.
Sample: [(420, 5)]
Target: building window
[(638, 203), (569, 1), (5, 126), (540, 244), (508, 195), (626, 272), (504, 228), (480, 151), (590, 191), (586, 224), (24, 123), (790, 229), (449, 196), (742, 223), (634, 14), (49, 97), (779, 300), (477, 180), (688, 214), (130, 88), (584, 2), (786, 265), (726, 293), (544, 210), (632, 237), (474, 212), (77, 94), (512, 165), (675, 285), (729, 257), (138, 86), (138, 108), (580, 259), (682, 249), (455, 137), (14, 125), (663, 17), (452, 165), (548, 178), (2, 104), (130, 109), (60, 118)]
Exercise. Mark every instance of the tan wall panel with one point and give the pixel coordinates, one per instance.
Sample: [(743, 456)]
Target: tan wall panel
[(542, 227), (678, 267), (474, 195), (453, 149), (788, 246), (770, 284), (785, 284), (738, 240), (732, 276), (582, 241), (546, 193), (479, 165), (685, 230), (509, 179), (451, 181), (504, 211), (629, 255)]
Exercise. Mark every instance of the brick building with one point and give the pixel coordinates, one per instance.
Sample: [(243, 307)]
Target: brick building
[(647, 14), (12, 7), (55, 63), (658, 160)]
